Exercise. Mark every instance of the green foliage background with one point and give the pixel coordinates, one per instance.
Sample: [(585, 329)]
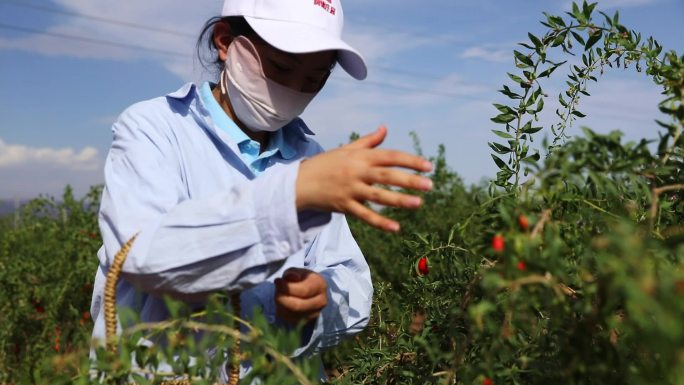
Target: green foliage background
[(591, 292)]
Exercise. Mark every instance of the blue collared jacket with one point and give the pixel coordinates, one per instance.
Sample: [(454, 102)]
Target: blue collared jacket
[(207, 222)]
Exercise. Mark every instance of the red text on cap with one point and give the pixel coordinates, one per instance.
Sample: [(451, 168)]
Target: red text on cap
[(325, 4)]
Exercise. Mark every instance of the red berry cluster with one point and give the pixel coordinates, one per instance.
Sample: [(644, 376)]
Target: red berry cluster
[(499, 244)]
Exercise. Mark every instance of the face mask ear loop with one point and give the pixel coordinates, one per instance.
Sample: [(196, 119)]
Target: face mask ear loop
[(222, 82)]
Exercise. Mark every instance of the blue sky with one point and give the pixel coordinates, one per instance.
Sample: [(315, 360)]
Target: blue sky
[(434, 68)]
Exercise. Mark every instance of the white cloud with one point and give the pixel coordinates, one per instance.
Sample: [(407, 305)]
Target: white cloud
[(185, 20), (65, 158), (489, 53), (27, 171)]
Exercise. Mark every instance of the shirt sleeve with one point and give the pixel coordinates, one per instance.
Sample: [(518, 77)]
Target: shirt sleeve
[(336, 256), (229, 241)]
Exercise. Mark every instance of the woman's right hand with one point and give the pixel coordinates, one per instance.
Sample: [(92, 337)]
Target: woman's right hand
[(343, 179)]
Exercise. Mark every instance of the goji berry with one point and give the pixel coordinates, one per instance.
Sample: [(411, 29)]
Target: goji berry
[(523, 222), (422, 266), (522, 266), (487, 381), (498, 243)]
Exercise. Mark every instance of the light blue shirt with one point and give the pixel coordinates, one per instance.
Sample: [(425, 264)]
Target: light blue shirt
[(249, 149), (207, 222)]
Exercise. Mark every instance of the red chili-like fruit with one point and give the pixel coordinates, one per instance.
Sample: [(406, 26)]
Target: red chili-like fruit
[(487, 381), (84, 317), (40, 309), (498, 243), (58, 332), (522, 266), (523, 222), (422, 266)]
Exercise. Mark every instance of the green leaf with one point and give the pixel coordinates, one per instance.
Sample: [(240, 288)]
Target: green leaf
[(504, 109), (535, 40), (527, 45), (500, 163), (547, 72), (499, 149), (560, 38), (503, 134), (577, 113), (593, 39), (532, 158), (451, 233), (524, 59), (578, 37), (507, 91), (503, 118), (423, 238), (528, 129), (575, 9), (532, 130), (515, 78)]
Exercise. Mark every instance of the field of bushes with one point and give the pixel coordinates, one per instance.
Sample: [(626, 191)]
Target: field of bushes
[(568, 268)]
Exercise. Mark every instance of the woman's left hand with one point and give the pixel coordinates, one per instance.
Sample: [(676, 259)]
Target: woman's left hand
[(300, 295)]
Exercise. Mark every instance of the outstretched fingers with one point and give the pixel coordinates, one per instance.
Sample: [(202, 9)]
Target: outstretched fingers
[(393, 177), (394, 158), (371, 140), (372, 218)]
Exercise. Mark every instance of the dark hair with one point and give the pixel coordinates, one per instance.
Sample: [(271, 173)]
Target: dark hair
[(238, 27)]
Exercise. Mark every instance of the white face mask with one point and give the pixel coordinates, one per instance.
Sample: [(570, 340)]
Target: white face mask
[(258, 102)]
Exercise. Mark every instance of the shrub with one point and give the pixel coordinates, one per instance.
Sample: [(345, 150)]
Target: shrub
[(568, 269)]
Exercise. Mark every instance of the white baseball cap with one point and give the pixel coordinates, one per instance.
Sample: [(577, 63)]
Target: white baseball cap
[(300, 26)]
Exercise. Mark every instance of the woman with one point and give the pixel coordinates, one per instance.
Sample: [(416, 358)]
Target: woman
[(229, 192)]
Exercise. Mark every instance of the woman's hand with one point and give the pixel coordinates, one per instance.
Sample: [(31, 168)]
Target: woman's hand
[(300, 295), (343, 179)]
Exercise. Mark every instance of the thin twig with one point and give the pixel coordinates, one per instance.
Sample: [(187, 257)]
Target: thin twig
[(655, 194), (545, 216), (600, 209)]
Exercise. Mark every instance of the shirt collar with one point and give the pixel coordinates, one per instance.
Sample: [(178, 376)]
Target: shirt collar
[(182, 92), (221, 120), (285, 138)]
